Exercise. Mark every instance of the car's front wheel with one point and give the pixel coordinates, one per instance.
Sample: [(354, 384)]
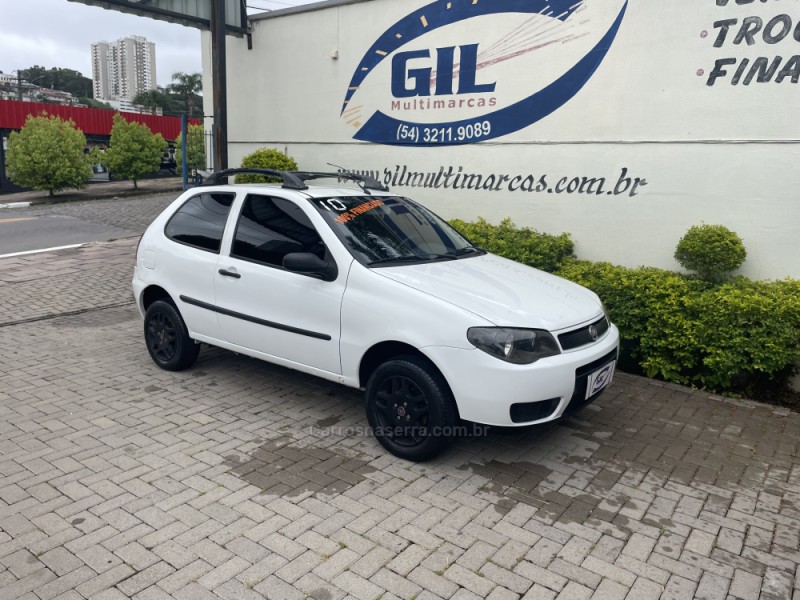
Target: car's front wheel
[(410, 408), (167, 338)]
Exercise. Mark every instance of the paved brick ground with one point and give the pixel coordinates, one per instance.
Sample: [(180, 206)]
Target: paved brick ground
[(240, 480), (73, 280)]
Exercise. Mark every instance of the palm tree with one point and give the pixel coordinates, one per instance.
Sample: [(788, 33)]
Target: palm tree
[(187, 86)]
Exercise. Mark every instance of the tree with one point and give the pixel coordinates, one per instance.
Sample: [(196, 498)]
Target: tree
[(92, 103), (135, 151), (152, 100), (196, 142), (65, 80), (49, 154), (187, 86)]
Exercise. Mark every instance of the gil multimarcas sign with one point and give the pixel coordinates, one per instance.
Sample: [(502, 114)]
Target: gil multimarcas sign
[(440, 86)]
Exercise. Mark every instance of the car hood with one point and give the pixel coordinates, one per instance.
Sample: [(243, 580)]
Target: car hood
[(502, 291)]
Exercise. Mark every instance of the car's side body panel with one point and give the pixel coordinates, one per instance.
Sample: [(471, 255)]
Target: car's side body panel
[(377, 309), (280, 361), (302, 312)]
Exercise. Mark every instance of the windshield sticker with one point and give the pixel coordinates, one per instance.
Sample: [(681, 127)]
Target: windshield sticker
[(358, 210), (471, 91)]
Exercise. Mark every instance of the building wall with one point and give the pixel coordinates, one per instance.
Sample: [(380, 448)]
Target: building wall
[(623, 123)]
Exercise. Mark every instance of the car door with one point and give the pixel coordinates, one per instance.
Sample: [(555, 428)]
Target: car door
[(265, 308)]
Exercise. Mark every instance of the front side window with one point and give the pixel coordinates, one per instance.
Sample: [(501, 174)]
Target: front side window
[(270, 228), (388, 231), (200, 222)]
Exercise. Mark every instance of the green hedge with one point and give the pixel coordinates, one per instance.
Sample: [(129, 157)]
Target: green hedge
[(524, 245), (740, 337)]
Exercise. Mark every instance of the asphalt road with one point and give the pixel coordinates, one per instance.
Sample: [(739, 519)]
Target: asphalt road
[(26, 233), (66, 224)]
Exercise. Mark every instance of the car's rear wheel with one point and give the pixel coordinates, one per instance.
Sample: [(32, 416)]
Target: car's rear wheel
[(410, 408), (167, 338)]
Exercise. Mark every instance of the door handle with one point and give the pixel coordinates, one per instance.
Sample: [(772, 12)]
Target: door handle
[(231, 274)]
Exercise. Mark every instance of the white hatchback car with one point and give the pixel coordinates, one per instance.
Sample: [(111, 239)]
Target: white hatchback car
[(370, 290)]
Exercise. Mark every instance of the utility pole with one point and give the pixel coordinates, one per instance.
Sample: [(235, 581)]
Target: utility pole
[(19, 86), (220, 75)]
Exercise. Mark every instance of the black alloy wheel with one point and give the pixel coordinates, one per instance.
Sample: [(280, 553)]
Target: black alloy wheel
[(167, 338), (410, 408)]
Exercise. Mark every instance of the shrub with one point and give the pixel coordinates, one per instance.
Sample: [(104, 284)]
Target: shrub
[(711, 251), (748, 333), (739, 337), (524, 245), (266, 158), (134, 151), (649, 306), (48, 154)]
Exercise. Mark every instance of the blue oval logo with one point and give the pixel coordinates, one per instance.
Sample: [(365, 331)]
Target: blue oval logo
[(447, 77)]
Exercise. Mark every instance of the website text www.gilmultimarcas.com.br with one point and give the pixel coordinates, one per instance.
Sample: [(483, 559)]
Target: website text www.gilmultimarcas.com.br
[(456, 178)]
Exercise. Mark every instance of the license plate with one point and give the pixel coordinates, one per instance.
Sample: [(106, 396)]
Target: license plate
[(600, 379)]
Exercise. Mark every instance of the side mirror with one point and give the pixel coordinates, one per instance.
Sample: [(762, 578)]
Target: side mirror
[(312, 265)]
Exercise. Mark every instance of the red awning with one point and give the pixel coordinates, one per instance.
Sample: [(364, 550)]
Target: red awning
[(91, 121)]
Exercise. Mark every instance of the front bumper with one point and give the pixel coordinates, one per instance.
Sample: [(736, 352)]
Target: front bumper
[(492, 392)]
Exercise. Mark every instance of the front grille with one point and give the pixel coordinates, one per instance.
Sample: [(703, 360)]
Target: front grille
[(583, 336)]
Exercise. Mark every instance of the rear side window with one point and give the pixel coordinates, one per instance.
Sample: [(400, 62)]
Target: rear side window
[(271, 228), (201, 221)]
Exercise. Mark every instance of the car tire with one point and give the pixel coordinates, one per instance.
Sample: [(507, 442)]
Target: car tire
[(167, 338), (410, 408)]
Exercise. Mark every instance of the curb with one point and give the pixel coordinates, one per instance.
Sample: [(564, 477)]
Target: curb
[(100, 196), (70, 313), (88, 194)]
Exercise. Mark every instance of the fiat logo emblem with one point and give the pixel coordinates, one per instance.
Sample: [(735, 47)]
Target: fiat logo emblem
[(593, 332)]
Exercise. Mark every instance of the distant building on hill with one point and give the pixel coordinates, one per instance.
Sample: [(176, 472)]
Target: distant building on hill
[(122, 69), (15, 87)]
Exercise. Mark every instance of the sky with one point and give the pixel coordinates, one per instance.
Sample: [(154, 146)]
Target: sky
[(59, 33)]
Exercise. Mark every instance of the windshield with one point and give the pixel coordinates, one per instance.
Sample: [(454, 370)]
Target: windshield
[(388, 231)]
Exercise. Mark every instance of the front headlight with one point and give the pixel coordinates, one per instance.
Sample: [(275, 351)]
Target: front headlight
[(518, 346)]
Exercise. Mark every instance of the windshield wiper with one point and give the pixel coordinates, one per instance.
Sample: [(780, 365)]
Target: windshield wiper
[(466, 251), (410, 258), (452, 255)]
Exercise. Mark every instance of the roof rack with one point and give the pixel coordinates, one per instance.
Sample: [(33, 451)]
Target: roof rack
[(295, 180), (366, 182), (290, 180)]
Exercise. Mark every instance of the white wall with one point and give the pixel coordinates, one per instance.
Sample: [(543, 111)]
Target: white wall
[(721, 154)]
